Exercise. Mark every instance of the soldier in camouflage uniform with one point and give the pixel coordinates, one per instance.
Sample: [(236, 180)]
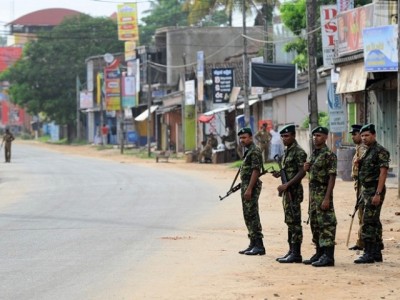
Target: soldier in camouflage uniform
[(373, 169), (292, 163), (360, 149), (322, 175), (250, 192), (263, 137)]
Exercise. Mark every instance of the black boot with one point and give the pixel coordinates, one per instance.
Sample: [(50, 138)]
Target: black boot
[(327, 259), (315, 257), (286, 255), (377, 253), (295, 256), (367, 257), (251, 245), (258, 249)]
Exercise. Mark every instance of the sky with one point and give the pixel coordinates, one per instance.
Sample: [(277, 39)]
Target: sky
[(13, 9)]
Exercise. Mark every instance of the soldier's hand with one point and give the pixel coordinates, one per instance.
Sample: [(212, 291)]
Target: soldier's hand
[(376, 200), (325, 204), (282, 188), (307, 166), (247, 195), (276, 174)]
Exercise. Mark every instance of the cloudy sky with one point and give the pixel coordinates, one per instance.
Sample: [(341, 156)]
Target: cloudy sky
[(13, 9)]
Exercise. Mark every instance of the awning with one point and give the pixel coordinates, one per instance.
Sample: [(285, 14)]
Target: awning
[(218, 110), (352, 78), (251, 102), (144, 115), (205, 119)]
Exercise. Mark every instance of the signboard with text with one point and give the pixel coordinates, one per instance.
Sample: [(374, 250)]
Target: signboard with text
[(222, 84), (127, 22), (329, 33)]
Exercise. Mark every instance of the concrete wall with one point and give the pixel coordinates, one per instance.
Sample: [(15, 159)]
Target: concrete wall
[(218, 43)]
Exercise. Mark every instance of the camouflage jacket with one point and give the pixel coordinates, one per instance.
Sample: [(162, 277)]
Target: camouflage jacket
[(263, 137), (252, 160), (293, 160), (360, 150), (323, 164), (374, 158)]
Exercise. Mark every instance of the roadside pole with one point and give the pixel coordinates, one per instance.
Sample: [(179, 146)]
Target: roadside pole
[(149, 91)]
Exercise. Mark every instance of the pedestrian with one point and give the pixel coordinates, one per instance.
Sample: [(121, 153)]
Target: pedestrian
[(372, 173), (322, 176), (205, 155), (276, 143), (360, 149), (263, 138), (292, 192), (213, 141), (104, 134), (250, 171), (8, 137)]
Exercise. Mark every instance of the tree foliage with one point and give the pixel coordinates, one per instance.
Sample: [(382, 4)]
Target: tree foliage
[(162, 14), (44, 80)]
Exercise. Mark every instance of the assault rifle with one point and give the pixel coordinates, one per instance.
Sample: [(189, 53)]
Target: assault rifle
[(358, 203), (237, 187), (284, 180)]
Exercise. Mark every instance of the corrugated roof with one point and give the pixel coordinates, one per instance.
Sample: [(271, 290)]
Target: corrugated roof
[(45, 17)]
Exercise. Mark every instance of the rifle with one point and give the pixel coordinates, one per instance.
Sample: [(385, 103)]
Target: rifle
[(284, 180), (359, 199), (239, 185)]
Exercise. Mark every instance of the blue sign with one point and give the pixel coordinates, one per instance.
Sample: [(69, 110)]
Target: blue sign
[(380, 49)]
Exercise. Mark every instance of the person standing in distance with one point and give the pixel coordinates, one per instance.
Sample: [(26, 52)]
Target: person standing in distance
[(292, 163), (322, 169), (8, 137), (360, 150), (250, 191), (263, 137), (373, 169)]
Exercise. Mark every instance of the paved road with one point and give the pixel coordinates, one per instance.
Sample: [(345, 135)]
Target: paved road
[(72, 227)]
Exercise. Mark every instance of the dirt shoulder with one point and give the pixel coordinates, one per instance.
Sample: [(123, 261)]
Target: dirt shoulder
[(203, 263)]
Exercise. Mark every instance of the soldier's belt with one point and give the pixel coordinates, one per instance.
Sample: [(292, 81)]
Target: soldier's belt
[(370, 184)]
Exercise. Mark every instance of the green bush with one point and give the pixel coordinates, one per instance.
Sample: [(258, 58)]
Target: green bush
[(323, 120)]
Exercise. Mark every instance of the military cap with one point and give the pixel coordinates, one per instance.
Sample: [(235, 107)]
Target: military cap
[(369, 127), (355, 128), (288, 128), (320, 129), (245, 130)]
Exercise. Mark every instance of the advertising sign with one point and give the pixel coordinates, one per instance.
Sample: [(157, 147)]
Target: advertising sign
[(128, 91), (86, 99), (222, 84), (112, 89), (127, 22), (328, 32), (336, 109), (380, 49), (350, 28), (189, 92)]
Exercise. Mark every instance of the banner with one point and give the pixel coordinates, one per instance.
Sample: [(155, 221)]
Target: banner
[(337, 112), (274, 75), (127, 22), (329, 33), (128, 85), (85, 99), (380, 49), (189, 93), (112, 88), (200, 75), (222, 84)]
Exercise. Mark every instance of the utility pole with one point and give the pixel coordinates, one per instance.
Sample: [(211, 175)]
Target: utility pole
[(245, 68), (78, 121), (122, 116), (398, 102), (149, 92), (312, 63)]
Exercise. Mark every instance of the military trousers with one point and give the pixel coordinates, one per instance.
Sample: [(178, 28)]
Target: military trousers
[(372, 227), (251, 212), (292, 210), (323, 222), (7, 152)]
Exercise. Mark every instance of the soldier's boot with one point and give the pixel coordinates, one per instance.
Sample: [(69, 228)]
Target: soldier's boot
[(315, 257), (286, 255), (367, 257), (377, 252), (251, 245), (295, 256), (327, 259), (258, 249)]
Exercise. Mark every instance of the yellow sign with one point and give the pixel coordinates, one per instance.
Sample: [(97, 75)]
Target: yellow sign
[(130, 52), (127, 22)]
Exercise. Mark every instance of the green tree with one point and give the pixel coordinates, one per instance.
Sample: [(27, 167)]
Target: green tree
[(44, 80), (162, 14), (294, 17)]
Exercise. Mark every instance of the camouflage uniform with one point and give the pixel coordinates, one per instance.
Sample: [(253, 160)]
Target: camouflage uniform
[(7, 139), (360, 150), (263, 137), (252, 160), (375, 157), (292, 161), (323, 222)]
